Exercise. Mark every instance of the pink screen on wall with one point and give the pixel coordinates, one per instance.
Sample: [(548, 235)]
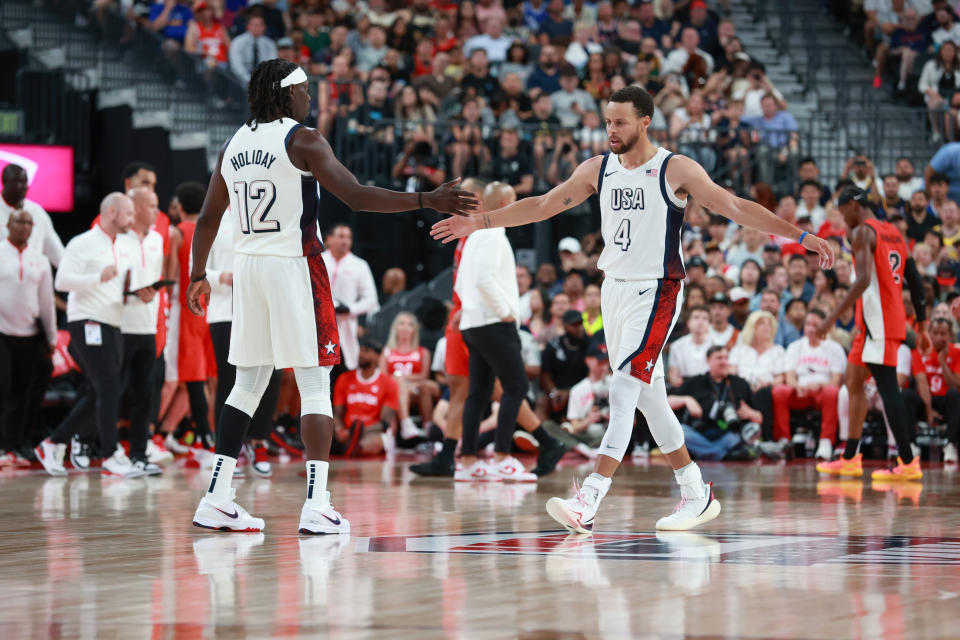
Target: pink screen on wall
[(49, 172)]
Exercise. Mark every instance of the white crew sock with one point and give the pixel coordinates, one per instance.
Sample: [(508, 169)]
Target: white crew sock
[(220, 479), (690, 481), (317, 483)]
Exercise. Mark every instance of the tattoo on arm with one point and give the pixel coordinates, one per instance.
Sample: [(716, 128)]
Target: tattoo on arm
[(486, 221), (567, 200)]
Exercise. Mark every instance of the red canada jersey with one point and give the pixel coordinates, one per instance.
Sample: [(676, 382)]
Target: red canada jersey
[(457, 305), (364, 400), (404, 364), (880, 311), (930, 365)]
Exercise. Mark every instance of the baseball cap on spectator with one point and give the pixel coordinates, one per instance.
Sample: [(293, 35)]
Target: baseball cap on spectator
[(370, 343), (947, 273), (285, 43), (569, 244), (572, 317), (696, 261), (740, 56), (719, 298), (698, 4), (738, 294), (597, 349), (200, 5)]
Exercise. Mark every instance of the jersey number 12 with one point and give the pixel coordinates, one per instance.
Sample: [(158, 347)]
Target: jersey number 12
[(260, 195)]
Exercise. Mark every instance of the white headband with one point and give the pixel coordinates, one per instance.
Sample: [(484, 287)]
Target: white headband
[(296, 77)]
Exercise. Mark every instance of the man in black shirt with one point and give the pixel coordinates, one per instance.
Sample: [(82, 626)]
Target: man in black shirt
[(919, 218), (718, 420), (479, 82), (511, 164), (564, 364)]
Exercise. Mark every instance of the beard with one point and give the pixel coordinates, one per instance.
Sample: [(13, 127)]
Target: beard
[(626, 144)]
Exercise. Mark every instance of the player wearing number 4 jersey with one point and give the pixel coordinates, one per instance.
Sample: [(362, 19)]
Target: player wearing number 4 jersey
[(880, 258), (642, 192), (267, 174)]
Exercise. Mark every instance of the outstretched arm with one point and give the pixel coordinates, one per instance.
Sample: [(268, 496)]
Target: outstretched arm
[(577, 188), (864, 241), (310, 151), (685, 174)]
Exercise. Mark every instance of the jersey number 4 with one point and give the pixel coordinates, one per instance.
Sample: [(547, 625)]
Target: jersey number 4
[(622, 237), (253, 203)]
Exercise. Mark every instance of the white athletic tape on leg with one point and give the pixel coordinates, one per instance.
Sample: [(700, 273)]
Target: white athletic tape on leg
[(314, 386)]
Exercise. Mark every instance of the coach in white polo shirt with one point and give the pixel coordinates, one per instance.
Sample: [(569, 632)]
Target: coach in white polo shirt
[(13, 197), (138, 325), (93, 271), (28, 331), (353, 287)]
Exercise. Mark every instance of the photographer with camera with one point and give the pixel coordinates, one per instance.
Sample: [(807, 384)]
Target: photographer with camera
[(564, 160), (418, 168), (718, 421)]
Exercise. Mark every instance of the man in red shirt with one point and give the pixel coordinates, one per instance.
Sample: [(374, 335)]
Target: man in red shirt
[(365, 404), (937, 384)]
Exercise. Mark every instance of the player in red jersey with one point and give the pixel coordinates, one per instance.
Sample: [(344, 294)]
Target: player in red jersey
[(365, 403), (882, 263)]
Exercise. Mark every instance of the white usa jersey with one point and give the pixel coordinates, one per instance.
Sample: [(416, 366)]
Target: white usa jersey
[(641, 220), (277, 204)]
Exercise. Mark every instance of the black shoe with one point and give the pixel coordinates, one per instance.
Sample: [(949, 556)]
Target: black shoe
[(550, 454), (287, 441), (437, 468)]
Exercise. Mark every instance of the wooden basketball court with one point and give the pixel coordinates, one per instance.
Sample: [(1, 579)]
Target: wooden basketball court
[(791, 556)]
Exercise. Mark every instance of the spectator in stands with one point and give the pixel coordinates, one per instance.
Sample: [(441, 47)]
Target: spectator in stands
[(938, 188), (512, 163), (437, 81), (909, 181), (689, 60), (720, 411), (353, 287), (322, 59), (492, 41), (948, 29), (607, 23), (778, 139), (814, 370), (758, 87), (907, 42), (365, 405), (571, 102), (760, 361), (751, 282), (547, 279), (583, 46), (251, 48), (374, 47), (651, 26), (511, 102), (688, 355), (696, 269), (539, 319), (170, 18), (563, 364), (545, 77), (946, 163), (949, 227), (13, 197), (734, 143), (554, 28), (206, 37), (861, 171), (881, 21), (891, 203), (940, 85), (790, 327), (722, 333), (478, 82), (588, 405), (563, 161), (937, 385), (419, 168), (592, 319), (543, 124), (559, 305), (750, 247), (28, 336), (629, 41), (468, 149), (809, 202), (409, 364), (692, 128)]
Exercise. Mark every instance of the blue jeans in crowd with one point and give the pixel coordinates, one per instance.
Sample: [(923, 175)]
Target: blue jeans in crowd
[(703, 448)]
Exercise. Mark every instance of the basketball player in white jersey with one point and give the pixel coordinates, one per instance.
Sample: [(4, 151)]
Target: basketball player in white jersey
[(642, 191), (267, 173)]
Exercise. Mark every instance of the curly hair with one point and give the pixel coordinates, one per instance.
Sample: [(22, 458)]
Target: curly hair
[(267, 100)]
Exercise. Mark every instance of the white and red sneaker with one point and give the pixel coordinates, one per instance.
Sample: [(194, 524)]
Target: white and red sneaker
[(576, 514), (157, 453), (50, 455), (511, 470), (261, 463), (691, 511), (479, 471), (228, 516)]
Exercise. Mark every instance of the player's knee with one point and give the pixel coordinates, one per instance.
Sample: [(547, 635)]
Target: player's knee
[(243, 400), (314, 386)]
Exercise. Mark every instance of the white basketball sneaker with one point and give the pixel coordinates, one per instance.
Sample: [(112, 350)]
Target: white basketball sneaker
[(950, 453), (50, 455), (511, 470), (576, 514), (824, 450), (479, 471), (156, 452), (119, 465), (691, 511), (146, 468), (323, 519), (172, 445), (79, 454), (228, 516), (410, 430)]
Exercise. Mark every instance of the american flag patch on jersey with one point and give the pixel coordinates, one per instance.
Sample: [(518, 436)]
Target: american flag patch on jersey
[(651, 172)]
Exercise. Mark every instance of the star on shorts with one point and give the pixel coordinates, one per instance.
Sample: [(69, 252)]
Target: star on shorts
[(649, 365), (330, 347)]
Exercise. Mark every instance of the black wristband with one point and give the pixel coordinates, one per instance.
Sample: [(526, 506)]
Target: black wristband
[(198, 278), (420, 197)]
